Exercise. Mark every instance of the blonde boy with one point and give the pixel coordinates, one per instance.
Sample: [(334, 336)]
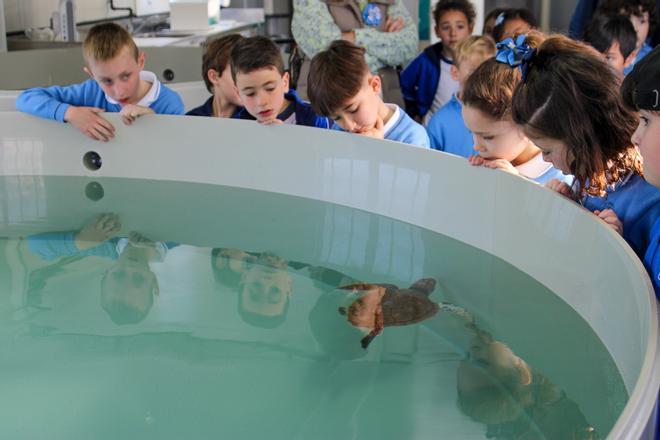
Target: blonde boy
[(446, 128), (117, 84)]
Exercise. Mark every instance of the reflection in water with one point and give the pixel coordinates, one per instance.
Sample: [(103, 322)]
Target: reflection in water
[(498, 388), (271, 356), (128, 286)]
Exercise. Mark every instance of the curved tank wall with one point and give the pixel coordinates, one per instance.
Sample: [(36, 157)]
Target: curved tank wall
[(584, 262)]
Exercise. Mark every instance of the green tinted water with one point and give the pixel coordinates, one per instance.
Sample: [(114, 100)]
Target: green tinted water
[(139, 337)]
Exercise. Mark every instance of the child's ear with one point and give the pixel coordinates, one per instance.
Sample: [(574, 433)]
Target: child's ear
[(213, 76), (453, 70), (285, 81), (140, 60), (375, 84), (88, 72)]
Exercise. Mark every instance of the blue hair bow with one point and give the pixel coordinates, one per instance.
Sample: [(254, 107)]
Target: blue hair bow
[(515, 53)]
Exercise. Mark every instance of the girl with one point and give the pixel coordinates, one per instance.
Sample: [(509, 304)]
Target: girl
[(487, 113), (569, 105), (641, 92)]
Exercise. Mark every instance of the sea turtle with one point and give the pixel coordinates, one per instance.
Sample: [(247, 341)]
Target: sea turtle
[(383, 305)]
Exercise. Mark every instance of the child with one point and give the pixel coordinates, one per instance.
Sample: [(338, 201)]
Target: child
[(263, 86), (614, 36), (118, 84), (513, 22), (225, 102), (640, 92), (446, 128), (570, 106), (342, 87), (489, 21), (487, 113), (427, 83), (642, 14)]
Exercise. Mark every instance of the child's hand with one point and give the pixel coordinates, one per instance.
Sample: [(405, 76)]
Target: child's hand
[(476, 160), (610, 217), (377, 132), (101, 229), (138, 240), (130, 112), (560, 187), (394, 25), (500, 164), (88, 121), (271, 122)]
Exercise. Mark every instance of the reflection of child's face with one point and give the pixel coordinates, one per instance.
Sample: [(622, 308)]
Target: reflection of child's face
[(647, 139), (129, 283), (360, 113), (265, 290), (235, 260), (498, 359)]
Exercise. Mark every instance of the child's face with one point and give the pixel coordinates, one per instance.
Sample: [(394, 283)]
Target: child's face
[(515, 26), (647, 139), (361, 112), (494, 139), (223, 86), (554, 151), (262, 92), (119, 77), (641, 25), (452, 27), (265, 290), (615, 58)]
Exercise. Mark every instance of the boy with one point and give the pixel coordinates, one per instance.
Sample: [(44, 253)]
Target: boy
[(224, 102), (641, 91), (613, 36), (263, 86), (446, 128), (642, 15), (118, 84), (342, 87), (426, 83)]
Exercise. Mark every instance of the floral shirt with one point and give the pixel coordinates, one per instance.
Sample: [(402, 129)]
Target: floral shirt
[(314, 29)]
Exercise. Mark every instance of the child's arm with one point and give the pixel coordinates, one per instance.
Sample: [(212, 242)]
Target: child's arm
[(409, 80), (68, 104)]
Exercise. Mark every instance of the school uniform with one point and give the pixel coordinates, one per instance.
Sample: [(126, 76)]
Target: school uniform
[(637, 204), (53, 102), (206, 109), (298, 112), (447, 130)]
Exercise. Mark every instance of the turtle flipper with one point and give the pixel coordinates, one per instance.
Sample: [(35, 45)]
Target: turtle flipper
[(425, 285)]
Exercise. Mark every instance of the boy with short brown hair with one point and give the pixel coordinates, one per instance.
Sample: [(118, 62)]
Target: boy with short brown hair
[(342, 88), (117, 84)]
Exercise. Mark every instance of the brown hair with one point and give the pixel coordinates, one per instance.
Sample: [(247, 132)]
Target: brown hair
[(105, 41), (464, 6), (216, 56), (255, 53), (490, 87), (478, 48), (572, 95), (335, 76)]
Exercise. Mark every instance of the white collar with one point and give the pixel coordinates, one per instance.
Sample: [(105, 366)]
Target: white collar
[(152, 94), (535, 167), (393, 119)]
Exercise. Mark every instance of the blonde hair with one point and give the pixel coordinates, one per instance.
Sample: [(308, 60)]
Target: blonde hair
[(475, 47), (105, 41)]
